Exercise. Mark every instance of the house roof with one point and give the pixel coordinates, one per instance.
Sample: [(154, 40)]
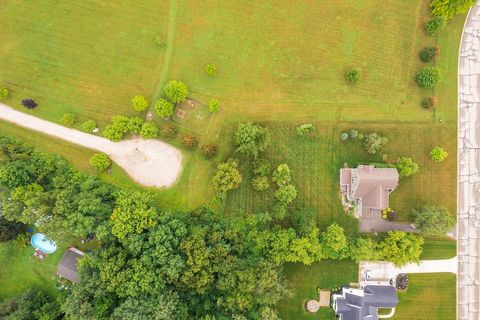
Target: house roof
[(67, 267), (365, 307)]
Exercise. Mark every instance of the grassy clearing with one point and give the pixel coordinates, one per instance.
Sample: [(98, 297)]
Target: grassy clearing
[(439, 249), (429, 296), (304, 281)]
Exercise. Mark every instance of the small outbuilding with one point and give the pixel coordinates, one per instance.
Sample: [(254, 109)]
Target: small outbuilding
[(67, 268)]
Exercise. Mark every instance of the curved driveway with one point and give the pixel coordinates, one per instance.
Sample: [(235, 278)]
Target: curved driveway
[(151, 163), (468, 246)]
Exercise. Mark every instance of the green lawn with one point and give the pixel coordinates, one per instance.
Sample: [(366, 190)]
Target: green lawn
[(439, 249), (429, 296)]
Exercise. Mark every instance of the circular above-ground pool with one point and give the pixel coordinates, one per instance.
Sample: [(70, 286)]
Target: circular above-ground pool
[(41, 242)]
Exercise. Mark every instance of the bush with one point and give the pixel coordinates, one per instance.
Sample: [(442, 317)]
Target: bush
[(428, 77), (209, 150), (100, 161), (29, 104), (69, 119), (429, 102), (429, 54), (352, 76), (175, 91), (149, 130), (435, 25), (306, 128), (164, 108), (343, 136), (213, 105), (282, 175), (189, 141), (353, 134), (449, 8), (139, 103), (406, 167), (261, 167), (373, 142), (169, 131), (438, 154), (3, 93), (211, 70), (435, 221), (260, 183), (89, 125)]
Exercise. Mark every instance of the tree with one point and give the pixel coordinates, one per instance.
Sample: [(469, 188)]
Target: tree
[(429, 54), (10, 229), (303, 220), (89, 125), (100, 161), (364, 249), (133, 213), (438, 154), (164, 108), (352, 133), (305, 129), (428, 77), (352, 76), (169, 131), (27, 204), (122, 125), (251, 139), (343, 136), (209, 150), (228, 177), (30, 305), (3, 93), (433, 220), (69, 119), (211, 70), (429, 102), (261, 167), (189, 141), (282, 175), (260, 183), (401, 248), (406, 167), (149, 130), (175, 91), (449, 8), (286, 194), (334, 242), (373, 142), (139, 103), (213, 105), (435, 25), (29, 104)]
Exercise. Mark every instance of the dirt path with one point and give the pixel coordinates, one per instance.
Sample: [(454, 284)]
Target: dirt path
[(151, 163)]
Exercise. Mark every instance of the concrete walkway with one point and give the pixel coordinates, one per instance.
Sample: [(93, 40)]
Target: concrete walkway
[(151, 163), (468, 232)]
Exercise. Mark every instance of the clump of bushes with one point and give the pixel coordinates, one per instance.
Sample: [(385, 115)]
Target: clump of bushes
[(209, 150), (211, 70), (352, 76), (169, 131), (261, 170), (89, 125), (373, 142), (448, 8), (164, 108), (189, 141), (438, 154), (429, 54), (139, 103), (435, 25), (69, 119), (305, 129), (429, 102), (149, 130), (285, 193), (121, 126), (213, 105), (100, 161), (175, 91), (428, 77), (3, 93)]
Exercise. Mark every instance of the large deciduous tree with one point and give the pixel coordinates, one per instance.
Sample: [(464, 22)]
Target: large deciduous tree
[(401, 248), (251, 139), (433, 220)]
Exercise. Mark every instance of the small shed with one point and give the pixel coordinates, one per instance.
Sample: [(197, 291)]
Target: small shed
[(67, 268)]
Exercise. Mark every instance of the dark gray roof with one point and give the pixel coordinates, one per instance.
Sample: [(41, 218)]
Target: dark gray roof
[(67, 268), (355, 307)]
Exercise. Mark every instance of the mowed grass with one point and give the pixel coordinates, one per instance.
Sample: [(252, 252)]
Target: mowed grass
[(304, 281), (429, 296), (439, 249)]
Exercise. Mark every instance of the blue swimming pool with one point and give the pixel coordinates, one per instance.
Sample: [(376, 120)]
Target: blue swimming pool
[(41, 242)]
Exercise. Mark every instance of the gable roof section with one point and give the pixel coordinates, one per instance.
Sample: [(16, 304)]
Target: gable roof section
[(375, 185), (67, 267)]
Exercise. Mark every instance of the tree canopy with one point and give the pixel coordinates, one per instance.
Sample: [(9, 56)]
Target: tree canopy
[(251, 139), (434, 220)]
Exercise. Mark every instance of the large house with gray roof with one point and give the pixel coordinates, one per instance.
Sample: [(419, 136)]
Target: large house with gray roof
[(363, 304), (368, 187)]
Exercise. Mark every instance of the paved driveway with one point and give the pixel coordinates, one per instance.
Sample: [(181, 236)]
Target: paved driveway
[(468, 247)]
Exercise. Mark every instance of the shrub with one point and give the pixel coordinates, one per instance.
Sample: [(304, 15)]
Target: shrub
[(149, 130), (305, 129), (428, 77), (213, 105), (100, 161), (228, 177), (449, 8), (139, 103), (438, 154), (261, 167), (343, 136), (164, 108), (353, 134), (3, 93), (260, 183), (89, 125), (29, 104), (169, 131), (175, 91), (352, 76), (69, 119), (429, 54), (282, 175), (429, 102), (406, 167), (189, 141), (373, 142), (433, 220), (251, 139), (122, 125), (435, 25), (209, 150), (211, 70)]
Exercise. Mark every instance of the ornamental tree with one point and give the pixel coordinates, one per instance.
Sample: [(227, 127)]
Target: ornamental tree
[(213, 105), (89, 125), (149, 130), (100, 161), (228, 177), (251, 139), (286, 194), (175, 91), (401, 247), (435, 25), (282, 175), (373, 142), (164, 108), (139, 103), (428, 77), (433, 220), (438, 154), (69, 119), (334, 242), (406, 167)]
